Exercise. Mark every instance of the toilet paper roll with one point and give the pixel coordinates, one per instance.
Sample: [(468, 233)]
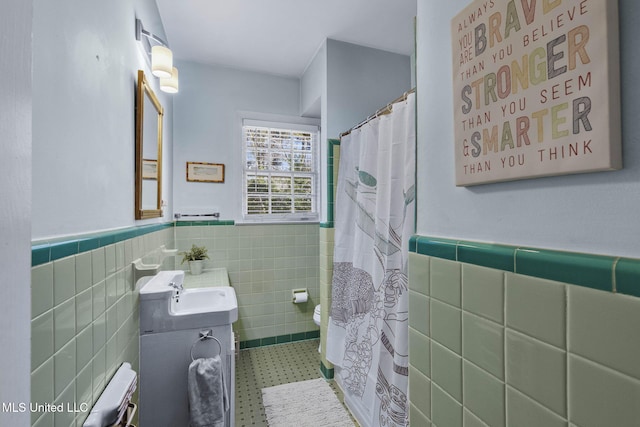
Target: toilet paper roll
[(300, 297)]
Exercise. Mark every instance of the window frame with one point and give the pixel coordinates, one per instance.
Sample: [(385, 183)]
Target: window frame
[(308, 216)]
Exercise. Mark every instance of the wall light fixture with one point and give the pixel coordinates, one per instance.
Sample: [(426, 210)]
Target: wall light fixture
[(170, 84), (160, 58)]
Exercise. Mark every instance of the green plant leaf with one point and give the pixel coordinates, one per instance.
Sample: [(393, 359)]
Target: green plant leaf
[(196, 253)]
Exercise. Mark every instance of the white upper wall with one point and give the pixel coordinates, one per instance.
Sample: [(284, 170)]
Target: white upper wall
[(311, 84), (594, 213), (15, 215), (360, 80), (213, 99), (207, 128), (85, 62)]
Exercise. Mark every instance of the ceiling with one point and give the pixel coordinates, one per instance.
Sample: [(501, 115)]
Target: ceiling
[(282, 36)]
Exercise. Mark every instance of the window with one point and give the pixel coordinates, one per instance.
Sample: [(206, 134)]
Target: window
[(280, 171)]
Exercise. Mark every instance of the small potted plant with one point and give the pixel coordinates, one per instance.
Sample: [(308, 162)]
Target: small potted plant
[(195, 256)]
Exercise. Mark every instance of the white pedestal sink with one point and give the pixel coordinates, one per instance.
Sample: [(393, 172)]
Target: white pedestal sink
[(172, 322), (203, 300), (164, 307)]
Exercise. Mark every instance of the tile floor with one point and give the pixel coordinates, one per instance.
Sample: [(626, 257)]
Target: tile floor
[(261, 367)]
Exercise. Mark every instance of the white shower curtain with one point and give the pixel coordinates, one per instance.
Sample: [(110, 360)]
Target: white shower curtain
[(368, 327)]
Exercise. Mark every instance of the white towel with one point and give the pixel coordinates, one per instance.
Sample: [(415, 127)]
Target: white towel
[(208, 400)]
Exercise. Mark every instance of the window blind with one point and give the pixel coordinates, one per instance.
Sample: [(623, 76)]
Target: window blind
[(280, 171)]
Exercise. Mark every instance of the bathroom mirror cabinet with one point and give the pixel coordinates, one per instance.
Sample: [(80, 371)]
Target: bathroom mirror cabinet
[(149, 115)]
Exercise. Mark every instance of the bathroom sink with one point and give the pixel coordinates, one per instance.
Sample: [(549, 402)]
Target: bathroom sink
[(165, 306), (219, 299)]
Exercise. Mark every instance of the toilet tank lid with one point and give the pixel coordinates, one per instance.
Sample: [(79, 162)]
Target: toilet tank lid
[(114, 400)]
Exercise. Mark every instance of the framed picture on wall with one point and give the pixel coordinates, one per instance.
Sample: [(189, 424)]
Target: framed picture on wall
[(149, 169), (205, 172), (536, 89)]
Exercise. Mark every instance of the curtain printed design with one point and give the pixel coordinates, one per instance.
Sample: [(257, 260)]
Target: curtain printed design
[(368, 327)]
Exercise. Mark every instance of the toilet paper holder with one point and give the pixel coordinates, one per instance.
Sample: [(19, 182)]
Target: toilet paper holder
[(299, 295)]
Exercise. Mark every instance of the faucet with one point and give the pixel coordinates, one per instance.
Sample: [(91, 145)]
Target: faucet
[(179, 288), (176, 286)]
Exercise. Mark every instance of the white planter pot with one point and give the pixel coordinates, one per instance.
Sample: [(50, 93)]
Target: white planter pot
[(195, 267)]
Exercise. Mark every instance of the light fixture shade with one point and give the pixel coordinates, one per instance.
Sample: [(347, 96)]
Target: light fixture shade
[(161, 61), (170, 85)]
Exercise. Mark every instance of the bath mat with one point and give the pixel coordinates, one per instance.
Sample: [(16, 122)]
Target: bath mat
[(306, 403)]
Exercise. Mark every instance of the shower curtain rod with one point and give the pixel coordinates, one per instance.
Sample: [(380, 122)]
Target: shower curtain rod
[(381, 112)]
